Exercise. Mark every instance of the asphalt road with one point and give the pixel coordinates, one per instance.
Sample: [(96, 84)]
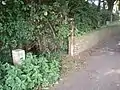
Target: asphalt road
[(102, 70)]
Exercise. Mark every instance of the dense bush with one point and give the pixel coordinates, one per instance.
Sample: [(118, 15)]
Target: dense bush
[(86, 18), (35, 72), (39, 26), (115, 17), (85, 15), (105, 16)]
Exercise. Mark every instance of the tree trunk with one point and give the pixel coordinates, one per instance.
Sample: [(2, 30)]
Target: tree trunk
[(110, 4), (119, 4), (99, 3), (104, 4), (110, 7)]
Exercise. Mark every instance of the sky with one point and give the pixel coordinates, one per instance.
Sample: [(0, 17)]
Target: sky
[(96, 2)]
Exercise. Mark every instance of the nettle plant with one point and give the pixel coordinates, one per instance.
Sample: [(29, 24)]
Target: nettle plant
[(36, 72)]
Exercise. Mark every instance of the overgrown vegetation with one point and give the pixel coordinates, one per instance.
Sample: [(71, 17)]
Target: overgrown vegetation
[(35, 72), (43, 29)]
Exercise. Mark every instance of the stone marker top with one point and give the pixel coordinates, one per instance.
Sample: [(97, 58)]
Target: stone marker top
[(17, 50)]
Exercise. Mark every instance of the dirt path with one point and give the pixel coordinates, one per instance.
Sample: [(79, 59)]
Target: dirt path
[(102, 70)]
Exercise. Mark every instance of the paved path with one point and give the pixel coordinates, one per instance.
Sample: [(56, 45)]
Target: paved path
[(102, 71)]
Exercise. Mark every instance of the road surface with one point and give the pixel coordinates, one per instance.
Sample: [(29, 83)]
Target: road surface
[(102, 70)]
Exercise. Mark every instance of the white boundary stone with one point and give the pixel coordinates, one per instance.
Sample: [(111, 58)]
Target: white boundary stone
[(18, 55)]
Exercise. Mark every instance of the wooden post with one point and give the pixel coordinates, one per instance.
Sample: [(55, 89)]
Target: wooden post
[(71, 40), (107, 22), (111, 17), (18, 55)]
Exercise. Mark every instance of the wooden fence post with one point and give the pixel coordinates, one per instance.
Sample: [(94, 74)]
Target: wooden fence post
[(71, 40)]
